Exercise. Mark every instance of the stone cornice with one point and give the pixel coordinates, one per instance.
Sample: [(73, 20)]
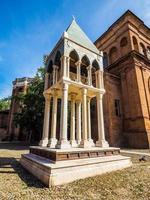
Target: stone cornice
[(132, 55)]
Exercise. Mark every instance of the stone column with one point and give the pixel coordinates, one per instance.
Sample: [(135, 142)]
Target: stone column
[(89, 75), (63, 142), (53, 141), (78, 117), (89, 121), (64, 66), (99, 79), (54, 74), (78, 64), (101, 134), (72, 130), (68, 67), (45, 134), (84, 143), (46, 81)]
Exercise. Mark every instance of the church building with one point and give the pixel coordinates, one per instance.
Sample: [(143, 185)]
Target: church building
[(125, 48), (126, 59)]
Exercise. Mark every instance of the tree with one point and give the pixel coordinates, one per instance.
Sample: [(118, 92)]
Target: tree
[(30, 117), (5, 104)]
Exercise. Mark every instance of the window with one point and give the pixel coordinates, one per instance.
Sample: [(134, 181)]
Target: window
[(135, 44), (123, 42), (117, 107), (113, 55), (142, 49), (124, 46)]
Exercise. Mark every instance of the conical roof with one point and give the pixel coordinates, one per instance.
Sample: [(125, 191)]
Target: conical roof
[(76, 34)]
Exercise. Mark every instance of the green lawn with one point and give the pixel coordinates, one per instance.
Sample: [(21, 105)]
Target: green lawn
[(16, 183)]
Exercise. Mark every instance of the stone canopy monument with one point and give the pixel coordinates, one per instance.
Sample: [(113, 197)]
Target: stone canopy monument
[(67, 151)]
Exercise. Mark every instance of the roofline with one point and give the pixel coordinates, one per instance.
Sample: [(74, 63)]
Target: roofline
[(123, 15)]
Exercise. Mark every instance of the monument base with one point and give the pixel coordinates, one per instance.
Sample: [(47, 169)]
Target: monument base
[(63, 167)]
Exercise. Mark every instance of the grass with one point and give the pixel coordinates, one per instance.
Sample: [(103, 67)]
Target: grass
[(16, 183)]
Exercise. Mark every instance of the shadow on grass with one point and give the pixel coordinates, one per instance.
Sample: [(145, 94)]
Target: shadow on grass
[(14, 146), (14, 167)]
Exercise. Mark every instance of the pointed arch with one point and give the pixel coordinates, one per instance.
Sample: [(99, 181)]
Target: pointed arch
[(74, 58), (85, 62), (95, 67), (74, 55)]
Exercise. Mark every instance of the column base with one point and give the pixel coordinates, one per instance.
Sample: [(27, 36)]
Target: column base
[(63, 144), (73, 143), (85, 144), (78, 143), (43, 142), (102, 143), (52, 143), (91, 142)]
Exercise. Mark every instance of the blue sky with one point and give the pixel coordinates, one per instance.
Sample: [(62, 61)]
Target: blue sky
[(30, 29)]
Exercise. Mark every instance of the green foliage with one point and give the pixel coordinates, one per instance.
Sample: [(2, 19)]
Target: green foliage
[(5, 104), (30, 117)]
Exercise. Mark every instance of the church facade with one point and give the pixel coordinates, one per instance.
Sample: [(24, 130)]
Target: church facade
[(126, 50), (126, 102)]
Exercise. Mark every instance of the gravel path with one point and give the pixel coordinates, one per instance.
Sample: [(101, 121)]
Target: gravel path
[(17, 184)]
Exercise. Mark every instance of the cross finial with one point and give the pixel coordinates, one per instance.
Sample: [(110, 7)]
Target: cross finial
[(73, 17)]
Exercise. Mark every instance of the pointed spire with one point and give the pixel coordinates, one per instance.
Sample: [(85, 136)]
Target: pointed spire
[(76, 34)]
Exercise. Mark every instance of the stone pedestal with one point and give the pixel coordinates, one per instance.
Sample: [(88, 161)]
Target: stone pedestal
[(59, 166)]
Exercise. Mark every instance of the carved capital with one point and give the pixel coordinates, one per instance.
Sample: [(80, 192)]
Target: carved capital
[(47, 96)]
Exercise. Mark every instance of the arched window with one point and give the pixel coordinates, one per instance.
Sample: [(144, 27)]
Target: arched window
[(135, 44), (73, 68), (84, 74), (143, 49), (105, 60), (148, 53), (123, 46), (95, 67), (113, 55)]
